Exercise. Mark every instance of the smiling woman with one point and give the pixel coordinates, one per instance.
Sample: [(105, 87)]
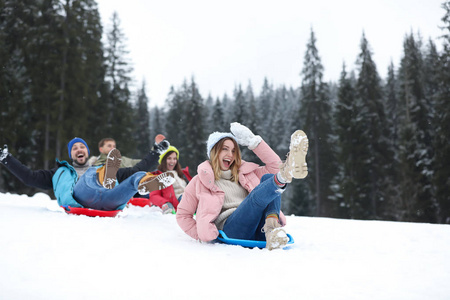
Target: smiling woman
[(227, 153), (167, 199), (241, 198)]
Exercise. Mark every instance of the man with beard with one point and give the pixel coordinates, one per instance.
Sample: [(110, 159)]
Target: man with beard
[(80, 185)]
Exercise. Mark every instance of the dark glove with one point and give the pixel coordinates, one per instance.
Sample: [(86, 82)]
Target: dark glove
[(161, 147), (4, 153)]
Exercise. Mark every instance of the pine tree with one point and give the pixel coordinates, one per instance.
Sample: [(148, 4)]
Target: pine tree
[(263, 113), (392, 106), (375, 156), (157, 123), (442, 127), (15, 91), (293, 122), (251, 108), (345, 183), (417, 136), (119, 121), (217, 118), (281, 115), (431, 76), (58, 48), (194, 129), (393, 208), (431, 85), (176, 118), (316, 116), (142, 119), (251, 121), (81, 74), (44, 49), (240, 113), (227, 105), (208, 108)]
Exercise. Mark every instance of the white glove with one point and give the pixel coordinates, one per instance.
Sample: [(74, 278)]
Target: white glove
[(245, 136), (3, 153), (161, 147)]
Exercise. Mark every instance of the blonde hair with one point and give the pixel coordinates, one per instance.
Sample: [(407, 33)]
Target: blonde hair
[(216, 164)]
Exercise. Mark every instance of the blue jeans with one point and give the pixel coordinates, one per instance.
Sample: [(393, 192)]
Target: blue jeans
[(249, 217), (89, 193)]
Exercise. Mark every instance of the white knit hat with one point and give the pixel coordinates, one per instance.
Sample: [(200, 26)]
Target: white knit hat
[(214, 138)]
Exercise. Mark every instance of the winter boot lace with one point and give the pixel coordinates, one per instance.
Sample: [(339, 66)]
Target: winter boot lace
[(106, 175), (150, 182), (295, 165), (276, 237)]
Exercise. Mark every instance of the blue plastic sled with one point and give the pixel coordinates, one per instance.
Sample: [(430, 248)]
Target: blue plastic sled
[(247, 243)]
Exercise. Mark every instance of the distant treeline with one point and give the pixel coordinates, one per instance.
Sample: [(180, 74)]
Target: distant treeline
[(379, 147)]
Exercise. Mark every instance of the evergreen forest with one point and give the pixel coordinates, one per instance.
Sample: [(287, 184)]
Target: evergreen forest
[(378, 139)]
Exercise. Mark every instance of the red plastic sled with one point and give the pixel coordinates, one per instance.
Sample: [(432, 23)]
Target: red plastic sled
[(140, 202), (91, 212)]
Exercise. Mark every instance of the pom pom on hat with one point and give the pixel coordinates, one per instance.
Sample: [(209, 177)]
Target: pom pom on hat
[(171, 148), (214, 138), (76, 140)]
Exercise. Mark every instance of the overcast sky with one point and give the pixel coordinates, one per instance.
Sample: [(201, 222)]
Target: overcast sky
[(226, 43)]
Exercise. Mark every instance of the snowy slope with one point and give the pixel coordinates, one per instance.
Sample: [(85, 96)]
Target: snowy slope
[(47, 254)]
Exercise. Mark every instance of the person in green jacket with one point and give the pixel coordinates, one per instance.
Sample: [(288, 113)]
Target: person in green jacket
[(104, 146)]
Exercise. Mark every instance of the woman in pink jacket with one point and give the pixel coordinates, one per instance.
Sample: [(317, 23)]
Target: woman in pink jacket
[(241, 198)]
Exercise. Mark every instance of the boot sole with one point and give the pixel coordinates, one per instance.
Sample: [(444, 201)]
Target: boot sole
[(279, 239), (298, 150), (112, 165), (159, 182)]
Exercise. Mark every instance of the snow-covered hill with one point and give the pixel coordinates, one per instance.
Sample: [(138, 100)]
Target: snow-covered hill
[(47, 254)]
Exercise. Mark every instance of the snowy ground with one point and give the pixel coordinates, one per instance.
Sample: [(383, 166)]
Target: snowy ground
[(47, 254)]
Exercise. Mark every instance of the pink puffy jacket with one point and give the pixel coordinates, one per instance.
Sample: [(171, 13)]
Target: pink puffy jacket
[(203, 197)]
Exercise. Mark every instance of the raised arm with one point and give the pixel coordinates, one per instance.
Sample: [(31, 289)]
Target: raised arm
[(147, 164), (39, 179), (245, 137)]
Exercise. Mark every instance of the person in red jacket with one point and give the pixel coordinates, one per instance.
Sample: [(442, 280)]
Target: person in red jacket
[(169, 198)]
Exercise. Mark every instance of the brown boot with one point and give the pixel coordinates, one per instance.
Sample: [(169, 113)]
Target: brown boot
[(107, 173), (150, 182), (276, 237)]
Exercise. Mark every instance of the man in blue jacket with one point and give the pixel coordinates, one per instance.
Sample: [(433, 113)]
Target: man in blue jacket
[(102, 187)]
